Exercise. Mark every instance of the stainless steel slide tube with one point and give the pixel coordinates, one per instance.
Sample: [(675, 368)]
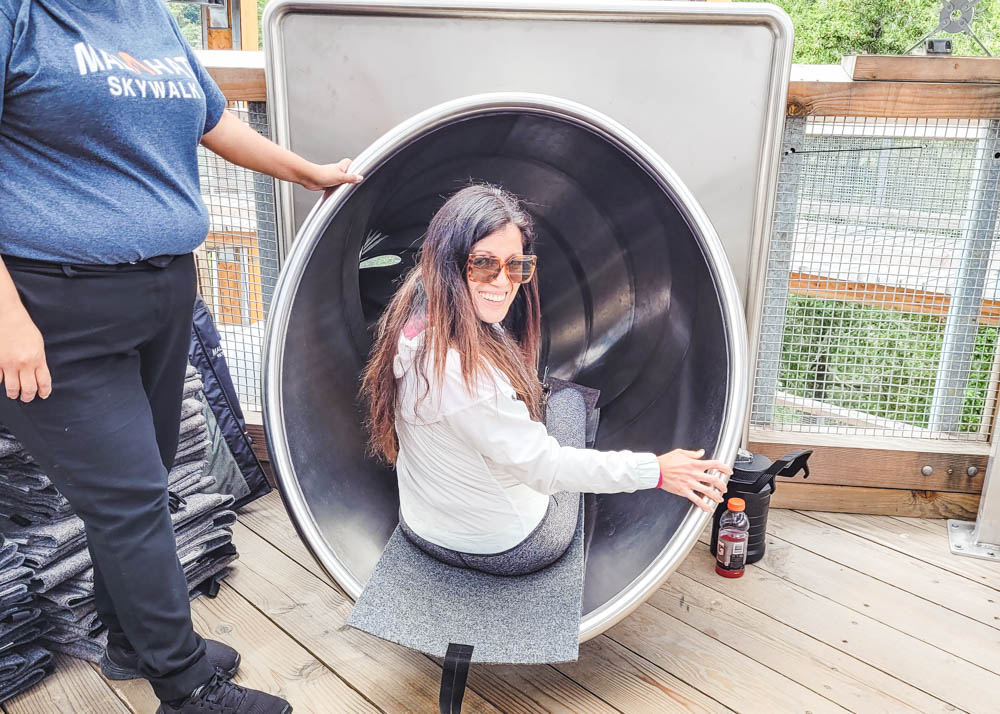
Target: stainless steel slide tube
[(638, 300)]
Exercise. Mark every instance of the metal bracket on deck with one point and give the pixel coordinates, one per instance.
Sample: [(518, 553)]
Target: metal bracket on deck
[(962, 539), (981, 539)]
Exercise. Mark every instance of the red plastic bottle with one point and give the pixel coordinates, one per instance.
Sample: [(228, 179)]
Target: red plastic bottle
[(734, 531)]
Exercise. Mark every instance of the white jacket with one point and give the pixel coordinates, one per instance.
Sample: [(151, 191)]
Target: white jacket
[(475, 471)]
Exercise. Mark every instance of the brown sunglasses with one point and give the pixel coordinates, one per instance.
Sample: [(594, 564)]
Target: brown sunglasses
[(484, 268)]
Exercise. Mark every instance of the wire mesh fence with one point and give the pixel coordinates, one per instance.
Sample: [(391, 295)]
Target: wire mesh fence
[(238, 263), (882, 292), (881, 306)]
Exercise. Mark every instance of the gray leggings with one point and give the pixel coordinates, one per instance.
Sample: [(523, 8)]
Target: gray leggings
[(543, 546), (566, 420)]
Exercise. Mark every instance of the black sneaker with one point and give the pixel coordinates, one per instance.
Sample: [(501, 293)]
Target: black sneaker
[(220, 696), (119, 663)]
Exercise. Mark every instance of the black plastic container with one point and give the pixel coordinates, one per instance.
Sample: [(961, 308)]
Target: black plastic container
[(753, 480)]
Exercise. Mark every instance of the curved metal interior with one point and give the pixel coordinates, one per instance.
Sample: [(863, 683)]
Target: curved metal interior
[(629, 302)]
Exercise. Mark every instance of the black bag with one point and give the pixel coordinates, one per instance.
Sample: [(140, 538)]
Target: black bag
[(237, 472)]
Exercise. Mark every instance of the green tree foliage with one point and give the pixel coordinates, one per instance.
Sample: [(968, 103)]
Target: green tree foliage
[(825, 30), (188, 16), (875, 360), (260, 16)]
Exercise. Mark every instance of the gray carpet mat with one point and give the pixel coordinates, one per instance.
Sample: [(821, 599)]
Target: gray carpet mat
[(421, 603), (22, 669)]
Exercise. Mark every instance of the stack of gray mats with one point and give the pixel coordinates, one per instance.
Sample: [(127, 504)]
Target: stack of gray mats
[(49, 565), (23, 661)]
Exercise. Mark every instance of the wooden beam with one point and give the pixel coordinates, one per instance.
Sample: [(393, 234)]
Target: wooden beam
[(826, 90), (219, 38), (256, 432), (945, 68), (249, 27), (818, 90), (239, 74), (845, 416), (909, 300), (259, 446), (898, 218), (882, 468), (875, 501)]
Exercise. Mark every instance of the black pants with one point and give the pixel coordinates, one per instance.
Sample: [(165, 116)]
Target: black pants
[(116, 343)]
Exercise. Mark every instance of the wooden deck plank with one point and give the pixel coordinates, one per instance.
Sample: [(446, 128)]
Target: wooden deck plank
[(950, 631), (136, 693), (915, 542), (721, 672), (923, 666), (272, 661), (934, 525), (829, 672), (73, 687), (313, 612), (929, 582), (633, 684), (811, 628), (531, 689), (268, 519)]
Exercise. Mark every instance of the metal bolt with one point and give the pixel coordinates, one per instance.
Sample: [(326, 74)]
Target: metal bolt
[(926, 470), (958, 547), (950, 470), (954, 525), (972, 471)]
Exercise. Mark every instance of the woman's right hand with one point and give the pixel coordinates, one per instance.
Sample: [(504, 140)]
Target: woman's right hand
[(23, 370), (684, 474)]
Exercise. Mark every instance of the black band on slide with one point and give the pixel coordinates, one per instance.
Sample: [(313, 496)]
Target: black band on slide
[(453, 678)]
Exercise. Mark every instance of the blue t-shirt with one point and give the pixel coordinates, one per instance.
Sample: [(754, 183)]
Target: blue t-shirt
[(102, 107)]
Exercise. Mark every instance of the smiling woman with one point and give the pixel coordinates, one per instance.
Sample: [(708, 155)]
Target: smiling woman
[(454, 401), (460, 292), (496, 270)]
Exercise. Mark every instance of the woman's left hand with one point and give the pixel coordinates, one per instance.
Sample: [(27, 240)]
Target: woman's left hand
[(317, 177)]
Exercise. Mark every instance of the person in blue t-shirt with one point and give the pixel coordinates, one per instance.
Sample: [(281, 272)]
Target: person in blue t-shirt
[(102, 108)]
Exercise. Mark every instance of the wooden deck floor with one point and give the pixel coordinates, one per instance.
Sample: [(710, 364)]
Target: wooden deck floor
[(845, 613)]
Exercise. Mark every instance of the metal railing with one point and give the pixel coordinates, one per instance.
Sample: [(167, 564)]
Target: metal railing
[(882, 280)]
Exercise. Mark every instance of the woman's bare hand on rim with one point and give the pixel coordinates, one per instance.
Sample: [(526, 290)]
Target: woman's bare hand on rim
[(684, 474), (22, 357), (321, 177)]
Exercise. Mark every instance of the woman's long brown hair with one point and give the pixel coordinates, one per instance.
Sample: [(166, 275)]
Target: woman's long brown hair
[(437, 293)]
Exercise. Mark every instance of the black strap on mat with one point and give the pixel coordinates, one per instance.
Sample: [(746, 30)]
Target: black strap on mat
[(456, 671)]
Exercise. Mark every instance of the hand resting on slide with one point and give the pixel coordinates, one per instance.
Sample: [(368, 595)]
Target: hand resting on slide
[(685, 474)]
